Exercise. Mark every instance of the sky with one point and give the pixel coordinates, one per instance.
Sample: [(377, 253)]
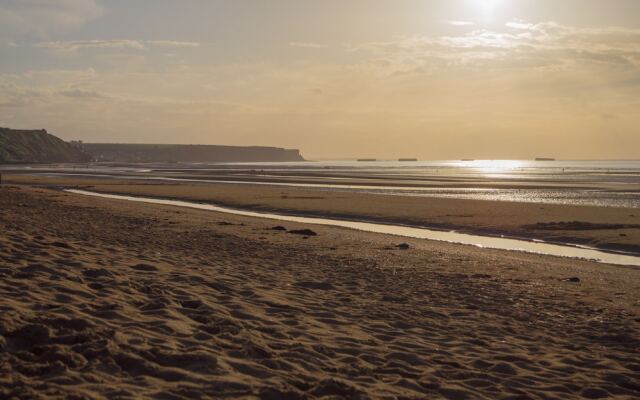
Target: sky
[(432, 79)]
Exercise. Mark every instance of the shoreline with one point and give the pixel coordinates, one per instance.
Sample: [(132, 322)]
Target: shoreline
[(600, 228), (442, 177)]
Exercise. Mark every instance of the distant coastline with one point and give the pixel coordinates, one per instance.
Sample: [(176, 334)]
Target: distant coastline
[(119, 152), (41, 147)]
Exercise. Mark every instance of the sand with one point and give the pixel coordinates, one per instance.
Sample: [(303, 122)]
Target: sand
[(616, 229), (114, 299)]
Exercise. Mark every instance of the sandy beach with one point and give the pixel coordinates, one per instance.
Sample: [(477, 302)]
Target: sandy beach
[(114, 299), (331, 200)]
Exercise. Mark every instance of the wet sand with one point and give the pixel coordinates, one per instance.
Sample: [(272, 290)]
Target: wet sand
[(113, 299), (616, 229)]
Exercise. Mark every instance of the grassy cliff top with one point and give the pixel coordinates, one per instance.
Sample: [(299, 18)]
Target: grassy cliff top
[(36, 146)]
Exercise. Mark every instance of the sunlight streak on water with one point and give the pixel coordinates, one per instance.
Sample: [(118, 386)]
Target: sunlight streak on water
[(601, 198)]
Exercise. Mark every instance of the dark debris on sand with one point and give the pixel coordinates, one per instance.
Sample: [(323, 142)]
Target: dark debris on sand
[(303, 232)]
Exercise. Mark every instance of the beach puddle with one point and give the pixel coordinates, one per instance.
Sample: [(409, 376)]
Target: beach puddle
[(535, 247)]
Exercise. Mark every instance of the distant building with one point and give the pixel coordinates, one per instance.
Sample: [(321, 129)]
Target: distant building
[(77, 144)]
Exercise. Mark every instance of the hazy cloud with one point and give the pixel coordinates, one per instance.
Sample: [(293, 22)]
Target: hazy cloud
[(172, 43), (90, 44), (76, 45), (308, 45), (461, 23), (82, 94), (520, 25), (524, 45), (16, 96), (41, 18)]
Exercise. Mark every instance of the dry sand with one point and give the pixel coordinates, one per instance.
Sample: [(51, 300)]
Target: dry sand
[(113, 299)]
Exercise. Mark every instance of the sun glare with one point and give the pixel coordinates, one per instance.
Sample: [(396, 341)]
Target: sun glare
[(489, 3), (487, 8), (495, 166)]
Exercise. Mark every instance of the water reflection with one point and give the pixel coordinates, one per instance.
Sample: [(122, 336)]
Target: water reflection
[(599, 183)]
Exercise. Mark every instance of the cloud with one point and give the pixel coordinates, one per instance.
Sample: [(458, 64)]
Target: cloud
[(308, 45), (90, 44), (40, 18), (522, 45), (82, 94), (172, 43), (520, 25), (461, 23), (18, 96), (76, 45)]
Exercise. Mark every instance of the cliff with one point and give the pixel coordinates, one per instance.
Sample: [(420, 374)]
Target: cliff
[(36, 146), (188, 153)]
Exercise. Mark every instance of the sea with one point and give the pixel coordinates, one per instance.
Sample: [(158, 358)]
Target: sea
[(607, 183)]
